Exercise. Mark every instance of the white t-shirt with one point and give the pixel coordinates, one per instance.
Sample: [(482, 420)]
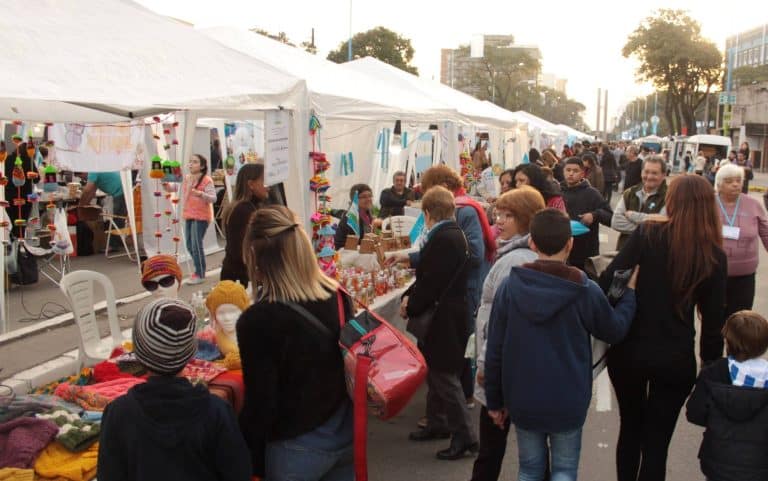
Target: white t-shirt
[(700, 163)]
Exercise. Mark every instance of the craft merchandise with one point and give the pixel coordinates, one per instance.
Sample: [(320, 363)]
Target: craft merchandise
[(56, 460), (95, 397), (107, 371), (158, 265), (82, 378), (74, 433), (198, 371), (31, 404), (17, 474), (225, 303), (22, 439)]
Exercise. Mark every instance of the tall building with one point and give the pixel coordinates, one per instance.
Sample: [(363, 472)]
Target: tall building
[(744, 116), (747, 48), (553, 82), (456, 65)]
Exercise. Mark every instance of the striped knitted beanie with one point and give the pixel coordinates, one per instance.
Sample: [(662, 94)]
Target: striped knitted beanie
[(164, 335)]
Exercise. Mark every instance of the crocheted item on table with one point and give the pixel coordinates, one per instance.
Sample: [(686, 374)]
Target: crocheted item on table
[(198, 371), (231, 361), (82, 378), (56, 460), (74, 433), (108, 371), (17, 474), (95, 397), (30, 404), (22, 439), (207, 351)]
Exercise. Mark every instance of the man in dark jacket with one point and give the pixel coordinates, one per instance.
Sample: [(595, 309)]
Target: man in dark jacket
[(167, 428), (634, 168), (538, 367), (394, 199), (586, 205)]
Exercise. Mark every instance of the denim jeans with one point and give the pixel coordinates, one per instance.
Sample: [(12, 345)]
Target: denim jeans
[(291, 461), (565, 448), (194, 231)]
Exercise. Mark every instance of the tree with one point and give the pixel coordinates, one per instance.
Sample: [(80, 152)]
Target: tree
[(380, 43), (500, 74), (677, 59), (282, 37)]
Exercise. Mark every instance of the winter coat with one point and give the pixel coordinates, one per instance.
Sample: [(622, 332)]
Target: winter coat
[(514, 252), (539, 359), (660, 335), (442, 260), (610, 168), (736, 417), (581, 199), (167, 428)]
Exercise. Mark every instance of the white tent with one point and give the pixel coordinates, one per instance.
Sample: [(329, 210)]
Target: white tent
[(473, 110), (95, 61), (576, 134), (118, 57), (334, 91)]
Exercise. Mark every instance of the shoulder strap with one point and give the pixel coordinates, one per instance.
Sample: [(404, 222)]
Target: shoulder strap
[(310, 317)]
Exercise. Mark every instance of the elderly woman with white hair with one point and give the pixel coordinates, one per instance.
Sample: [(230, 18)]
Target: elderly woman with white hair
[(744, 221)]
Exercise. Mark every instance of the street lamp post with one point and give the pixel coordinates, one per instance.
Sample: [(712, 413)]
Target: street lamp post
[(349, 43)]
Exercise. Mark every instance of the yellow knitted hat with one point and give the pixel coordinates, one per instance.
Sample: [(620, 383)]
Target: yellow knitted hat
[(227, 292)]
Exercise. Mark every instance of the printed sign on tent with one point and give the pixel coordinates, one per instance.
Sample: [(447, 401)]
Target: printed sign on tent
[(277, 160)]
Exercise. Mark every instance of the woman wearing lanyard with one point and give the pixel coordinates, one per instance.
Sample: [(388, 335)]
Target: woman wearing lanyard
[(744, 220)]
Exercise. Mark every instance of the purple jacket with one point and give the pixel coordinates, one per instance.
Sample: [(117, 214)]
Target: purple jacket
[(752, 223)]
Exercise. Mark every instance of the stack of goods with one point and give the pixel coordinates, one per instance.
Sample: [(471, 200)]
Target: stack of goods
[(53, 433), (366, 286)]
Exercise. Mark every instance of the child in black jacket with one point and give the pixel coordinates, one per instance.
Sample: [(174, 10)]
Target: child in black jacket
[(731, 400)]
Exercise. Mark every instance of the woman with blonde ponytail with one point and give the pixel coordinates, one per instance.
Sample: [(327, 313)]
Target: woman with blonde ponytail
[(297, 417)]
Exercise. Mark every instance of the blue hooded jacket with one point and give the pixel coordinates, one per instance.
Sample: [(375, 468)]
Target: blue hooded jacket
[(539, 357)]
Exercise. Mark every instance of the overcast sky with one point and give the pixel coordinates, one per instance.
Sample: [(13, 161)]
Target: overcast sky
[(579, 40)]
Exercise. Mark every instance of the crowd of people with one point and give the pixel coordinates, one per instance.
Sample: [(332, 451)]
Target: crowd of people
[(509, 276)]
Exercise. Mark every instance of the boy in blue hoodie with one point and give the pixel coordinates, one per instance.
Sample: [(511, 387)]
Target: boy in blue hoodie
[(539, 357)]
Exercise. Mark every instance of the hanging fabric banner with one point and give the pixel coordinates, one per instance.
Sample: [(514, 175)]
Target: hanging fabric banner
[(96, 148)]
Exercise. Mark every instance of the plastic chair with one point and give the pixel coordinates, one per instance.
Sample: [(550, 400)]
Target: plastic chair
[(78, 287), (400, 225)]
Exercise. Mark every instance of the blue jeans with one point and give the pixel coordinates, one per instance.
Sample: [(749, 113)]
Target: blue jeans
[(289, 460), (565, 449), (194, 231)]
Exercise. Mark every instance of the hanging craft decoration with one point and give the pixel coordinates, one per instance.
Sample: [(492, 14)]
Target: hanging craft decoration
[(4, 224), (322, 231)]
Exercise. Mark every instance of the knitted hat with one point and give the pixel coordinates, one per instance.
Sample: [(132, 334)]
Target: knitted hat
[(74, 434), (160, 265), (227, 292), (164, 335)]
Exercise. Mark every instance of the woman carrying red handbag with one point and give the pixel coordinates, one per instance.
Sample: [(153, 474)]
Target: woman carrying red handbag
[(297, 417)]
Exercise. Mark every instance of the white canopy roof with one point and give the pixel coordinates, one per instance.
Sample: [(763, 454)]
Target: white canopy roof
[(335, 91), (471, 108), (575, 133), (116, 56), (534, 121)]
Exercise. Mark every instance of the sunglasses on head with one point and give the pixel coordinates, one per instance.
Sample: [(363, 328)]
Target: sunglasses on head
[(166, 281)]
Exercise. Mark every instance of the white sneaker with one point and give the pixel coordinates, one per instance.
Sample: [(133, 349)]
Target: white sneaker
[(194, 280)]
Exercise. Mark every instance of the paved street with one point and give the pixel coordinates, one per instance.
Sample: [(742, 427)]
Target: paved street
[(391, 455)]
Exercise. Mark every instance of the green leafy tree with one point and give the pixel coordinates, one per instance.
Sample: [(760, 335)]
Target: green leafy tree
[(500, 74), (678, 60), (380, 43)]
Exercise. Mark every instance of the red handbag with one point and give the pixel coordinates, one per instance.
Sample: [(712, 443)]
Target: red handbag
[(383, 368)]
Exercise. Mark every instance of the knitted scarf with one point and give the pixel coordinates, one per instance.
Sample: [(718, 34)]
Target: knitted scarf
[(462, 200)]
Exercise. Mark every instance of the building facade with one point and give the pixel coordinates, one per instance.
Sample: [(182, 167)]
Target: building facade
[(745, 109)]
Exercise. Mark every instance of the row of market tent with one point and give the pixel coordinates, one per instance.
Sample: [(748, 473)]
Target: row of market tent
[(114, 62)]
